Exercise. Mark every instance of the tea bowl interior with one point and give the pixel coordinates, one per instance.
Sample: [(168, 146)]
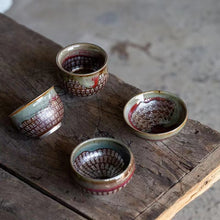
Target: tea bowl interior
[(156, 114), (81, 58), (101, 161), (83, 68), (102, 165)]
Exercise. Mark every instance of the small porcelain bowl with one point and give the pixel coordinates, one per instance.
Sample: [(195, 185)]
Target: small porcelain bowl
[(102, 166), (155, 115), (40, 117), (83, 68)]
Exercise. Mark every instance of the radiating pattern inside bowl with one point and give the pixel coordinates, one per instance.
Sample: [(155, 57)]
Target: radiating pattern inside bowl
[(83, 62), (155, 115), (102, 163)]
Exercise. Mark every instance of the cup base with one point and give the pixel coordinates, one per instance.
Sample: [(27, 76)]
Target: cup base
[(53, 129)]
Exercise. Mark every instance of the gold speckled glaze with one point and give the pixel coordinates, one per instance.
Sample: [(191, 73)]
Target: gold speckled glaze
[(88, 180), (41, 116), (162, 111), (83, 84)]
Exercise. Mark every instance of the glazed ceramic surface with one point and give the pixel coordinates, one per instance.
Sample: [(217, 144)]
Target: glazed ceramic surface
[(84, 68), (155, 115), (102, 166), (40, 117)]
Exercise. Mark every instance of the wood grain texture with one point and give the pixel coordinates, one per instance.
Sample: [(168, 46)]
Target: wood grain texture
[(27, 69), (20, 201), (201, 178)]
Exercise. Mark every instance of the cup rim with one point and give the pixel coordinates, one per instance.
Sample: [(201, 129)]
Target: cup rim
[(107, 180), (81, 75), (19, 109), (152, 135)]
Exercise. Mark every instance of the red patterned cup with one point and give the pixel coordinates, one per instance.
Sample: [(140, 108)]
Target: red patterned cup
[(155, 115), (40, 117), (84, 68), (102, 166)]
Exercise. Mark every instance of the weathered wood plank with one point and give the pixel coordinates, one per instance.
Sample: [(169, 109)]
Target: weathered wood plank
[(18, 201), (201, 178), (29, 68)]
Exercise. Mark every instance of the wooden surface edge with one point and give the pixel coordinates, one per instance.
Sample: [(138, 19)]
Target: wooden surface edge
[(18, 200), (202, 177), (192, 194), (168, 199), (39, 190)]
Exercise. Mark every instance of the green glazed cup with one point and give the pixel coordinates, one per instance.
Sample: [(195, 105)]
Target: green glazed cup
[(155, 115), (102, 166), (40, 117), (83, 68)]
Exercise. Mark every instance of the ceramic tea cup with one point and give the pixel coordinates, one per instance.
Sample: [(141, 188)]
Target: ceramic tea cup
[(40, 117), (155, 115), (102, 166), (83, 68)]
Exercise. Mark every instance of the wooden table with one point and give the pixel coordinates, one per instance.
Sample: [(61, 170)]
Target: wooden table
[(35, 180)]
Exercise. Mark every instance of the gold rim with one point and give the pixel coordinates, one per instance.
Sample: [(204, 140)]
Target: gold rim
[(101, 181), (81, 75), (31, 102), (154, 136)]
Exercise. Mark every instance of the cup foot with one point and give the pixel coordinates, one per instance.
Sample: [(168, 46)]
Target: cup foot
[(53, 129)]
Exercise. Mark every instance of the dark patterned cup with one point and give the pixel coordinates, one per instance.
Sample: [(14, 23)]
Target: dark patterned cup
[(40, 117), (102, 166), (84, 68), (155, 115)]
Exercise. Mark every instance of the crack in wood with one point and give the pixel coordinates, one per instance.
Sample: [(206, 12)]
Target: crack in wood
[(207, 180), (43, 191), (80, 123), (36, 177), (185, 165), (101, 133)]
